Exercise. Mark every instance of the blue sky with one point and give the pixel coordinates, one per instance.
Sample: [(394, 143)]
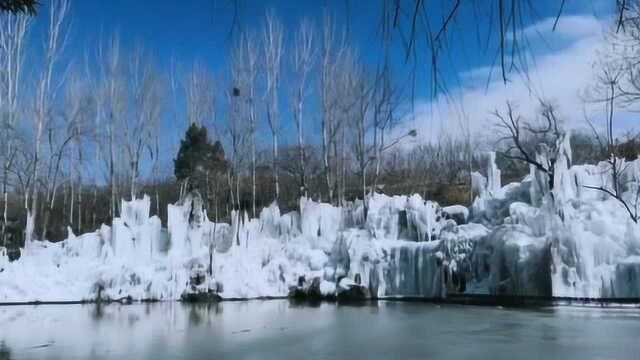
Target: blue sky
[(189, 30), (203, 30)]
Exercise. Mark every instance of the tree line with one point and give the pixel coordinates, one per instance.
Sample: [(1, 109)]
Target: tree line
[(82, 131), (290, 116)]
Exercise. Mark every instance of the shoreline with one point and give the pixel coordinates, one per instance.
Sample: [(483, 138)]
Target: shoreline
[(469, 300)]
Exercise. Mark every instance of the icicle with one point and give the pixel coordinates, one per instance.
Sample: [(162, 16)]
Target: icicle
[(494, 183)]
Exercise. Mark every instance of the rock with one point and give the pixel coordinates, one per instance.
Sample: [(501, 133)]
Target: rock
[(297, 293), (351, 291), (201, 287), (313, 292), (355, 293), (458, 213), (13, 254), (305, 290), (200, 297)]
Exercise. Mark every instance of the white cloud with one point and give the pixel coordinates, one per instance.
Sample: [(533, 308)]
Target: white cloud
[(560, 75), (573, 27)]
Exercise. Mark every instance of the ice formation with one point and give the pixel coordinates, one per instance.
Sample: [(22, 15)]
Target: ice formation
[(520, 239)]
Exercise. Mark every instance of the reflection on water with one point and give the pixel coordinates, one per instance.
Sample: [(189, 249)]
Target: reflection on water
[(283, 330), (5, 353), (200, 313)]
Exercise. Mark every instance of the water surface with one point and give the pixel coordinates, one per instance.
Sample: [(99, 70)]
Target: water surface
[(280, 330)]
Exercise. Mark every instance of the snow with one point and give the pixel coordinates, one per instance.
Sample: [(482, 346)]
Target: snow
[(517, 239), (327, 288)]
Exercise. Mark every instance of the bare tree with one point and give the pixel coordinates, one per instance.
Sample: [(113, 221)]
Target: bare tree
[(199, 91), (526, 140), (246, 80), (426, 31), (470, 148), (386, 100), (140, 126), (62, 134), (304, 53), (13, 31), (236, 134), (358, 92), (618, 85), (612, 76), (370, 112), (273, 36), (112, 107), (45, 93), (81, 99), (201, 110), (238, 128), (332, 50)]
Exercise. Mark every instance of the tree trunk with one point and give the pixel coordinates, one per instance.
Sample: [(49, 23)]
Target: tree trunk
[(34, 185), (132, 185), (275, 165), (112, 210), (378, 149), (364, 191), (71, 204), (215, 201), (207, 199), (238, 191), (253, 170), (343, 175), (79, 222), (157, 202), (5, 205), (303, 182), (95, 204), (325, 160), (230, 182), (4, 216)]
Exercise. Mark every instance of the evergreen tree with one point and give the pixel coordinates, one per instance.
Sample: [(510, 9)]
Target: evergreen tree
[(198, 159)]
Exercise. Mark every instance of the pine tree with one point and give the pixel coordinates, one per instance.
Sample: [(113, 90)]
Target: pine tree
[(198, 158)]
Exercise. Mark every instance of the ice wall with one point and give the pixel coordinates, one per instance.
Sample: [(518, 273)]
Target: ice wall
[(518, 239), (596, 254), (570, 242), (407, 218), (415, 269), (134, 234), (511, 261), (494, 182), (320, 223)]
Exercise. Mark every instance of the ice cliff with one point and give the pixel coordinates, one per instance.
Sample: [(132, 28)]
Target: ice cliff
[(518, 239)]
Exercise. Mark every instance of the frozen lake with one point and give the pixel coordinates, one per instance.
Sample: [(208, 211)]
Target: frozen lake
[(280, 330)]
